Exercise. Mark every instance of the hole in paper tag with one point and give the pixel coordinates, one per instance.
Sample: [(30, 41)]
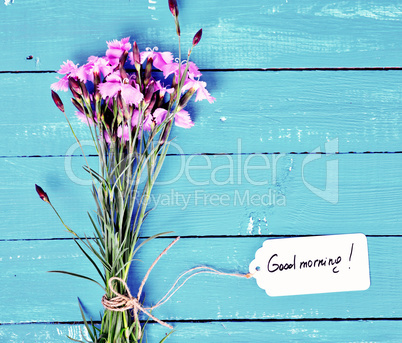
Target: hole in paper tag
[(308, 265)]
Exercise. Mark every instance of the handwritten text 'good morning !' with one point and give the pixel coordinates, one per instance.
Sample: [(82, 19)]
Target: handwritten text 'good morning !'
[(274, 265)]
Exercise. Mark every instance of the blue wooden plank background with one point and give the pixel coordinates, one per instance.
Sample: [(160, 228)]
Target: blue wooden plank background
[(292, 79)]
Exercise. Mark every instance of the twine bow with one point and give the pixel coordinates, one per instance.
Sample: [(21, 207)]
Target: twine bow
[(121, 303), (126, 302)]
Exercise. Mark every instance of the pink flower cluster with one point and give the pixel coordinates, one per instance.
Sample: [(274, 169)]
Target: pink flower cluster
[(139, 97)]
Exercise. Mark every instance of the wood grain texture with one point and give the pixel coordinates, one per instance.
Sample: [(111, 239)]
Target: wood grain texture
[(41, 297), (238, 34), (227, 331), (254, 112), (218, 195)]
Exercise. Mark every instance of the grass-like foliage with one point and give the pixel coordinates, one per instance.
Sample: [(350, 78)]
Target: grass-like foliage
[(130, 116)]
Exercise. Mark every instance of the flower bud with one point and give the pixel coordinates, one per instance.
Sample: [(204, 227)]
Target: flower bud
[(57, 101), (124, 75), (165, 133), (174, 83), (77, 105), (85, 93), (148, 69), (123, 58), (75, 94), (197, 37), (121, 109), (42, 194), (177, 26), (97, 96), (186, 98), (149, 92), (152, 102), (173, 8), (136, 54), (97, 78), (119, 102), (74, 85)]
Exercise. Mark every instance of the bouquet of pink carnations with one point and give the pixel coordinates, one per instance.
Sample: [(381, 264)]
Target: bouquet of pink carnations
[(129, 113)]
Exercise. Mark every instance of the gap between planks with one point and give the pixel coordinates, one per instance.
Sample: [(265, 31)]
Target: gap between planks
[(185, 237), (231, 154), (237, 320), (236, 69)]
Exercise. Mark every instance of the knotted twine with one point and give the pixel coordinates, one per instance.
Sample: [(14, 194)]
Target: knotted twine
[(121, 303)]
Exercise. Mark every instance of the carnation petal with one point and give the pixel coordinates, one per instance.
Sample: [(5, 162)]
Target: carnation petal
[(134, 118), (83, 73), (159, 115), (183, 119), (124, 43), (116, 49), (123, 133), (81, 116), (130, 94), (147, 123), (169, 69), (144, 56), (193, 70), (202, 94), (109, 89), (115, 77), (61, 85), (67, 67), (161, 59)]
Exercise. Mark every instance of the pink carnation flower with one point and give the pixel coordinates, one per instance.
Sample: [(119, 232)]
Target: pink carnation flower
[(114, 84), (154, 118), (158, 86), (200, 87), (116, 49), (160, 59), (68, 68), (174, 68), (95, 64), (182, 119)]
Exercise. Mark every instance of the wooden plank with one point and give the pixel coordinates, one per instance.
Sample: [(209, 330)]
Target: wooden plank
[(225, 331), (257, 34), (234, 195), (254, 112), (33, 295)]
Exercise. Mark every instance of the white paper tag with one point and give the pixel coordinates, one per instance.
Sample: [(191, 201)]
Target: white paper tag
[(308, 265)]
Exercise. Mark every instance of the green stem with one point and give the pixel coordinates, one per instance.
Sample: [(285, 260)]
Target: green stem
[(79, 143), (66, 226)]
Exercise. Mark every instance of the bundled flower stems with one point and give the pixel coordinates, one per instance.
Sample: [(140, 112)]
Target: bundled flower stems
[(129, 113)]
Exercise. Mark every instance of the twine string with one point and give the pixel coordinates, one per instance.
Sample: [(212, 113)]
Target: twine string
[(126, 302), (197, 270), (123, 303), (153, 265)]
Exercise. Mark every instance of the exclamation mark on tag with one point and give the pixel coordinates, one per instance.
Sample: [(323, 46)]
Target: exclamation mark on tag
[(351, 252)]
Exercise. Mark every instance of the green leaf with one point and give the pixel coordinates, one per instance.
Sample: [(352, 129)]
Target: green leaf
[(77, 275), (151, 238), (91, 260), (99, 257), (74, 340), (86, 323), (94, 173), (167, 336), (96, 229)]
